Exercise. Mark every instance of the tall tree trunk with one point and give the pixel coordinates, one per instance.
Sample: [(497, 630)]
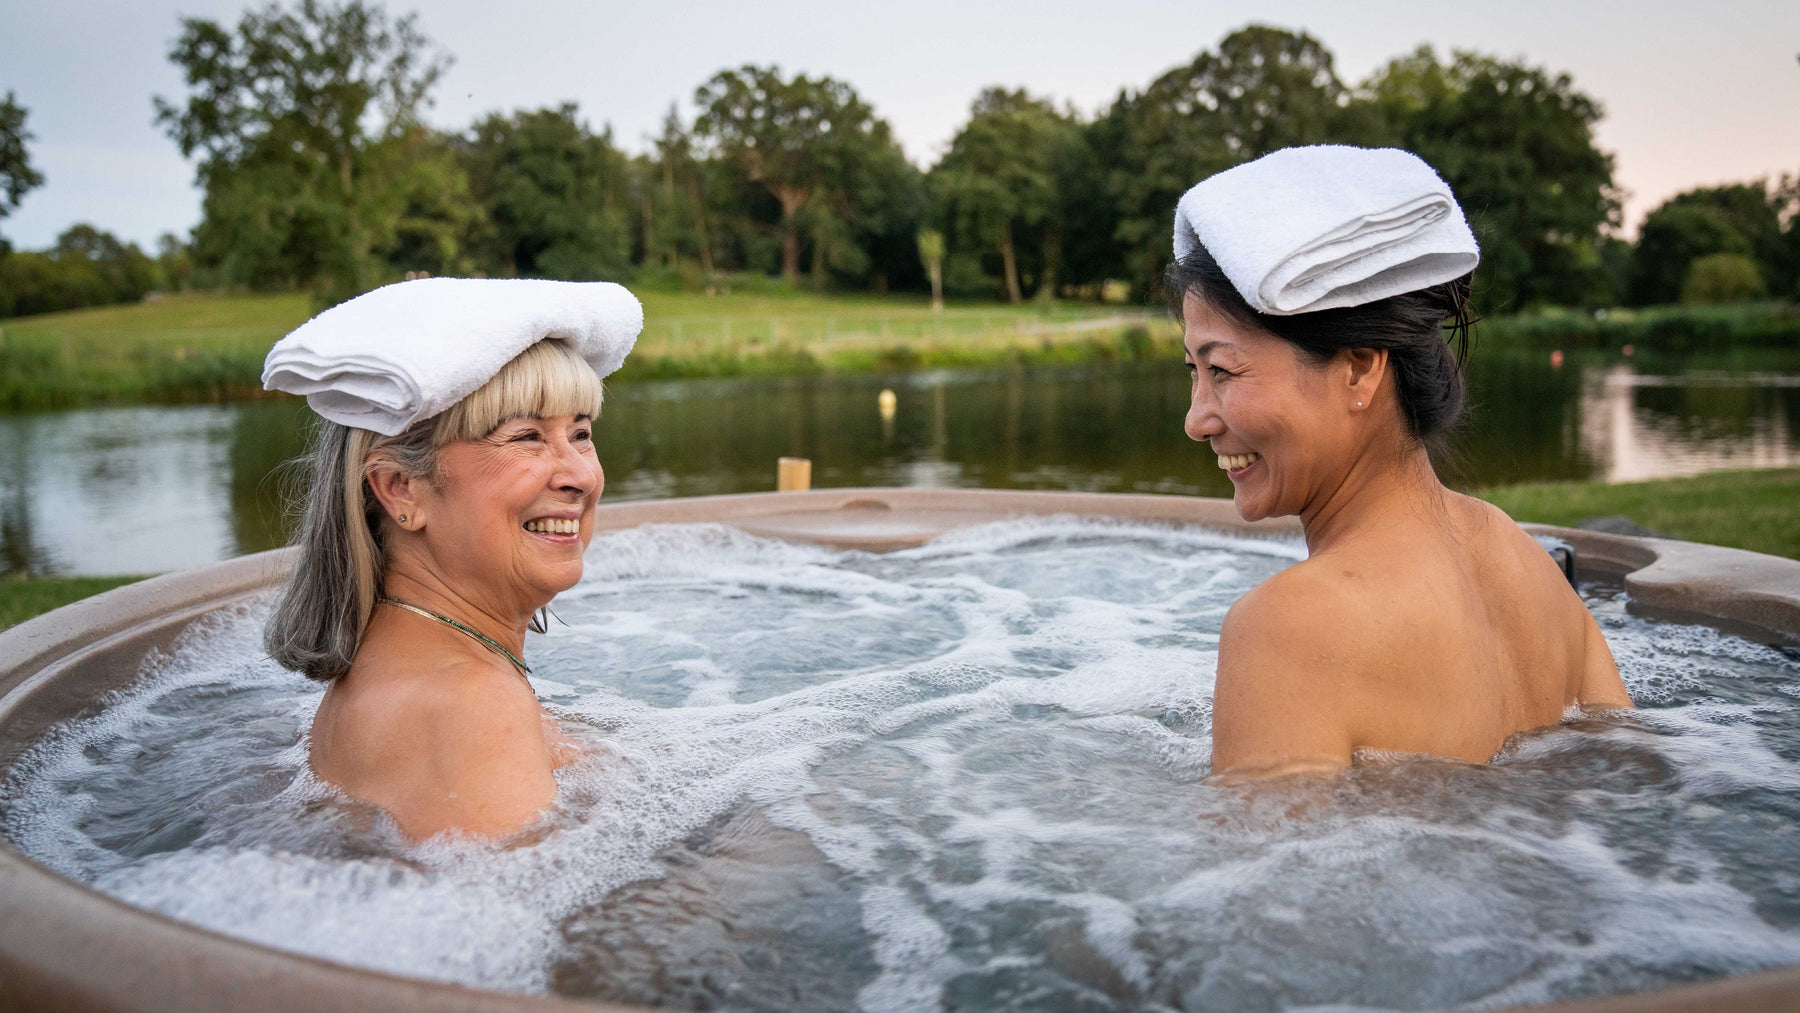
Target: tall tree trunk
[(1011, 264), (1052, 260), (936, 270), (790, 252), (792, 199), (706, 261), (672, 254), (650, 238)]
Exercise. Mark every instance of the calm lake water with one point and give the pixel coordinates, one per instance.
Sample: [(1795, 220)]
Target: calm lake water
[(152, 489)]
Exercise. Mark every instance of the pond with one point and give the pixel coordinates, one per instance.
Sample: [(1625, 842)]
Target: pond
[(151, 489)]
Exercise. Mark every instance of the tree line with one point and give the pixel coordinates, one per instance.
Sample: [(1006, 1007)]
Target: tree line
[(318, 172)]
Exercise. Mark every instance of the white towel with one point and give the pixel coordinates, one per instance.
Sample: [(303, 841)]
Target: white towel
[(407, 351), (1320, 227)]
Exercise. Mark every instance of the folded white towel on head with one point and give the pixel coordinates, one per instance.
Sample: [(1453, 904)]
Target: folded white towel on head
[(1321, 227), (407, 351)]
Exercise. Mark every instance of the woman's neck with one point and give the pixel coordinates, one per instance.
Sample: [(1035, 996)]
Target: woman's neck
[(1379, 490), (428, 591)]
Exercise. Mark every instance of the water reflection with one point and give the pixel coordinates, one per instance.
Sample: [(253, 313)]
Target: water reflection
[(143, 490), (126, 490), (1637, 427)]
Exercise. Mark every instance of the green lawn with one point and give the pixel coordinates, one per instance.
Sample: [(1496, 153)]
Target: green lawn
[(1757, 510), (24, 597), (210, 347), (178, 348)]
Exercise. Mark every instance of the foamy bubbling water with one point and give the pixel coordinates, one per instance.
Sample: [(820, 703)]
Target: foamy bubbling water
[(967, 775)]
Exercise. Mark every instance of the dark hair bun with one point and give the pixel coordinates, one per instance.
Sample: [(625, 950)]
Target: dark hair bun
[(1425, 360)]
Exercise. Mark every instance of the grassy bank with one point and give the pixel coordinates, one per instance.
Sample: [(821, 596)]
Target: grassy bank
[(175, 349), (1756, 510), (24, 597), (1670, 329), (210, 347)]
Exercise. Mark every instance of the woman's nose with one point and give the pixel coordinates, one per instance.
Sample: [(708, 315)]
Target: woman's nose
[(576, 468), (1202, 422)]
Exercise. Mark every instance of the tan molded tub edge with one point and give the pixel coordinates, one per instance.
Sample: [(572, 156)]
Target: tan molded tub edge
[(64, 946)]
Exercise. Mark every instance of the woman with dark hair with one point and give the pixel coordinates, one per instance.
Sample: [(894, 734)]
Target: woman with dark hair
[(1315, 286), (452, 494)]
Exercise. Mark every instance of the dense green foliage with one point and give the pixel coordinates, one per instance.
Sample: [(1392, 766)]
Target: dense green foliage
[(1001, 182), (86, 267), (555, 196), (17, 176), (320, 176), (1516, 144), (1744, 221), (305, 123)]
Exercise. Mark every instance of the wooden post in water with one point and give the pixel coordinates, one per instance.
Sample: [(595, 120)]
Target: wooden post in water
[(793, 474)]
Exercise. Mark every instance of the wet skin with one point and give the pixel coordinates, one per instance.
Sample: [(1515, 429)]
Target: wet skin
[(429, 724), (1422, 621)]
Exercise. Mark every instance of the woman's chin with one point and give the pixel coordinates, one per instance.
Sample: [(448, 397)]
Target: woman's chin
[(1248, 507)]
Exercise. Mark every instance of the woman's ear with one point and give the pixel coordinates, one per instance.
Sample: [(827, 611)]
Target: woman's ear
[(1365, 373), (398, 493)]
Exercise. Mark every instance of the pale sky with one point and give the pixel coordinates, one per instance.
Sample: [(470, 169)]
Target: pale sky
[(1694, 93)]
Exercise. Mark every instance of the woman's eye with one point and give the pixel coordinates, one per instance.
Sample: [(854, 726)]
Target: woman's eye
[(1218, 371)]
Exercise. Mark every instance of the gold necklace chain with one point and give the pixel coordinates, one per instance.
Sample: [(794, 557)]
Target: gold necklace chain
[(489, 642)]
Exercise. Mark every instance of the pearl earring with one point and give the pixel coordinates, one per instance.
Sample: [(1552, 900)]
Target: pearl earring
[(1358, 404)]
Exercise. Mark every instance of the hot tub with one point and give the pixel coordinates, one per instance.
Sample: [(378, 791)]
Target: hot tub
[(62, 944)]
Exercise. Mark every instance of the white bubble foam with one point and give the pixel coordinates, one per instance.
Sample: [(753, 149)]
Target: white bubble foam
[(992, 747)]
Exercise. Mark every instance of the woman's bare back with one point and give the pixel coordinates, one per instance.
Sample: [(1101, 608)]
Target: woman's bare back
[(1441, 635)]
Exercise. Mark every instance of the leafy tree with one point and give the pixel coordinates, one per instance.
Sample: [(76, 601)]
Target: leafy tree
[(17, 177), (86, 267), (1786, 198), (1721, 277), (428, 218), (1740, 218), (678, 224), (295, 120), (1674, 236), (1265, 88), (555, 194), (1516, 144), (880, 203), (794, 138), (1000, 177)]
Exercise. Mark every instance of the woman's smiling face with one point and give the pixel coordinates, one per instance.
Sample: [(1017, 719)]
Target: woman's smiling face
[(1265, 410), (512, 512)]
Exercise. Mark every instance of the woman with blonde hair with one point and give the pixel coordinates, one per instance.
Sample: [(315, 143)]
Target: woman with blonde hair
[(452, 493)]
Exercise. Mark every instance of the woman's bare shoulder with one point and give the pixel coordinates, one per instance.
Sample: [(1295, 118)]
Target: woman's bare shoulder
[(1292, 658), (456, 745)]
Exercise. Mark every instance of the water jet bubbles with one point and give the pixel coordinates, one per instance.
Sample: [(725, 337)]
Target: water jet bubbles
[(967, 773)]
